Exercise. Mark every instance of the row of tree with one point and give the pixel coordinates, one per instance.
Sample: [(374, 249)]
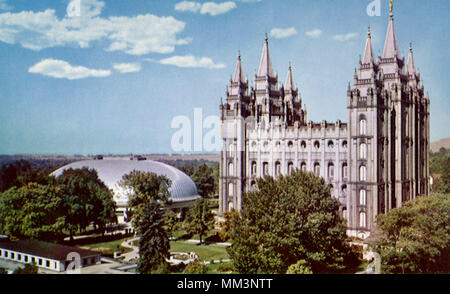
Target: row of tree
[(34, 205)]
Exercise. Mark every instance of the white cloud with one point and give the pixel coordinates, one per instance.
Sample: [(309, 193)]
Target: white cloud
[(214, 9), (250, 1), (210, 8), (127, 67), (63, 70), (192, 61), (4, 5), (316, 33), (137, 35), (345, 37), (282, 33), (188, 6)]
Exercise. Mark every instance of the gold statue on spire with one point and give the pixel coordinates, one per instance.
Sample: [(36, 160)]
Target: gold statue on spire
[(391, 6)]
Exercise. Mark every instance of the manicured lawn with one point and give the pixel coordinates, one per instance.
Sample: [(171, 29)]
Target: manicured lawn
[(107, 247), (205, 252), (213, 269)]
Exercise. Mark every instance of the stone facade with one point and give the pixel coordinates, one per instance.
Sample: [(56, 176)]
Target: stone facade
[(373, 163)]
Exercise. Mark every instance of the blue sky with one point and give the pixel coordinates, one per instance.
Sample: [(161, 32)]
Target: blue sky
[(112, 79)]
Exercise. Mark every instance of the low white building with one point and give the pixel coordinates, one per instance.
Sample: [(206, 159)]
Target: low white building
[(48, 256)]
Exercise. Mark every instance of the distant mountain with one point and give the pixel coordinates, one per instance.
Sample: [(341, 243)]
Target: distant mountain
[(435, 146)]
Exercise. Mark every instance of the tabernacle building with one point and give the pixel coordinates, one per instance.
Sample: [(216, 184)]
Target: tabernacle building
[(183, 191), (373, 163)]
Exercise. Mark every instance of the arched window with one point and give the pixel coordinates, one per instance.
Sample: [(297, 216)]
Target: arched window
[(290, 168), (344, 144), (344, 189), (330, 144), (363, 173), (344, 213), (362, 219), (317, 169), (363, 127), (331, 170), (290, 144), (253, 168), (231, 148), (265, 169), (303, 144), (253, 184), (317, 144), (230, 169), (230, 189), (277, 168), (363, 151), (303, 167), (344, 170), (362, 197)]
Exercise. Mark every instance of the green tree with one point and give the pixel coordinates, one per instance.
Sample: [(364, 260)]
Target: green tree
[(33, 211), (203, 177), (299, 268), (172, 222), (150, 193), (154, 246), (416, 237), (286, 220), (440, 170), (200, 219), (20, 173), (87, 199), (225, 226), (29, 269)]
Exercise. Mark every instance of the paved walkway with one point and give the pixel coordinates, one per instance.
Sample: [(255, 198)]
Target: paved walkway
[(134, 254), (193, 241)]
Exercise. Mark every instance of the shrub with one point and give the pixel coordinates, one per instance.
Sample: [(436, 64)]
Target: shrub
[(196, 267), (225, 267), (300, 268)]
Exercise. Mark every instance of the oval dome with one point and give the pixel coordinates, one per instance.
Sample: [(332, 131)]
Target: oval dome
[(111, 171)]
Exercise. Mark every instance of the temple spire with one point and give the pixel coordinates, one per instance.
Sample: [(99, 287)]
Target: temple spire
[(289, 79), (265, 66), (391, 8), (368, 52), (238, 74), (411, 68), (391, 44)]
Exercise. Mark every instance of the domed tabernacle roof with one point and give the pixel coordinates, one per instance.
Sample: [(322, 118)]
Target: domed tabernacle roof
[(183, 189)]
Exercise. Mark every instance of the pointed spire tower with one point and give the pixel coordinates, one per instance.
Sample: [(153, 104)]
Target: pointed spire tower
[(391, 44), (265, 65), (390, 62), (293, 100), (411, 68), (413, 75), (368, 52), (266, 89), (238, 73), (237, 92), (238, 85)]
